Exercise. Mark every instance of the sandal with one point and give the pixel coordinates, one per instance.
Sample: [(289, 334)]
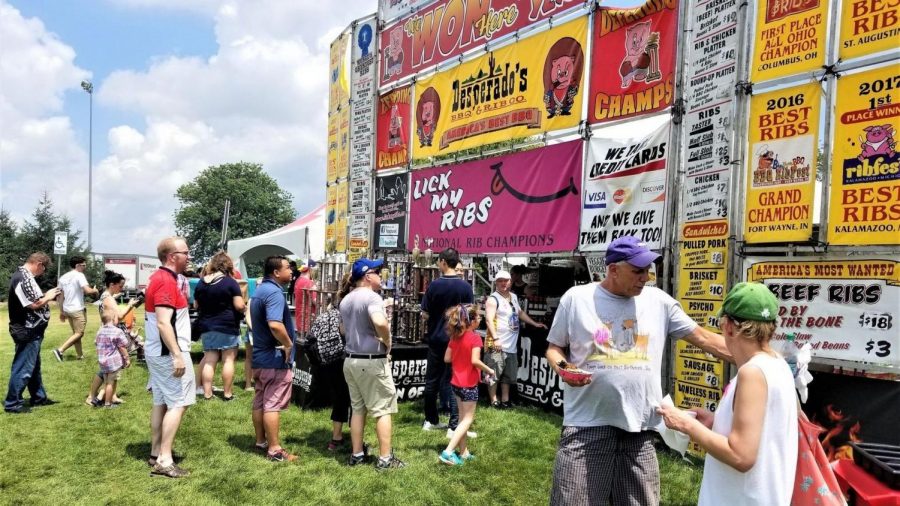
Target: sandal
[(170, 471), (175, 458), (228, 398)]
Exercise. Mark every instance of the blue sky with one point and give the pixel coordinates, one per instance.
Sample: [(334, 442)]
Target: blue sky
[(178, 85)]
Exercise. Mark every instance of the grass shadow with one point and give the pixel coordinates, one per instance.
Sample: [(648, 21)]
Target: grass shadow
[(138, 451)]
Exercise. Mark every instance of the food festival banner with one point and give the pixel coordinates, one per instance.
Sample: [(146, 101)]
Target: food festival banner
[(625, 184), (522, 202), (633, 61), (449, 28), (781, 172), (359, 236), (360, 196), (343, 198), (702, 277), (864, 198), (868, 27), (330, 215), (789, 38), (332, 158), (394, 115), (709, 95), (520, 90), (363, 64), (392, 9), (390, 212), (845, 308)]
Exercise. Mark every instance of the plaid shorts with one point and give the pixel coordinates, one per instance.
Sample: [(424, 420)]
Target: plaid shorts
[(605, 465)]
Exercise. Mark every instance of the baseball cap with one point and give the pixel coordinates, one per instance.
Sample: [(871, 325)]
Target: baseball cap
[(631, 250), (362, 266), (502, 275), (750, 301)]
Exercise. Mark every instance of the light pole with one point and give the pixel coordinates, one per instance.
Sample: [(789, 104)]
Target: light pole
[(89, 88)]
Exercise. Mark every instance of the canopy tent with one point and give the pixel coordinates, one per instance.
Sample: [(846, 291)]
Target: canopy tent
[(303, 238)]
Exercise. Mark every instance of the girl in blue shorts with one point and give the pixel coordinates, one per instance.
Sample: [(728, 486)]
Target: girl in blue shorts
[(464, 355)]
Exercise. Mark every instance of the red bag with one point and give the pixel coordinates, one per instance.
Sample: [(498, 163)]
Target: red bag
[(814, 482)]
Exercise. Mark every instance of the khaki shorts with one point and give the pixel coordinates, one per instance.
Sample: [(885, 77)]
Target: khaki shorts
[(371, 386), (506, 365), (77, 321)]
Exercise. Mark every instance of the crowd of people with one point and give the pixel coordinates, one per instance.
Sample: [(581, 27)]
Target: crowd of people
[(606, 449)]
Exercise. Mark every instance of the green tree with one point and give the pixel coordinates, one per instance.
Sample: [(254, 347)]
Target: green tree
[(37, 234), (10, 254), (258, 204)]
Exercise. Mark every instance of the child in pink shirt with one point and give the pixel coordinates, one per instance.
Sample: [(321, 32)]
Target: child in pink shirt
[(464, 355)]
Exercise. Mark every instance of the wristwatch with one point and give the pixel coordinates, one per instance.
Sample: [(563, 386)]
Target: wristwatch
[(561, 364)]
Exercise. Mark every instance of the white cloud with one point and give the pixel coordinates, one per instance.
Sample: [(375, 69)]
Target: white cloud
[(38, 150), (261, 98)]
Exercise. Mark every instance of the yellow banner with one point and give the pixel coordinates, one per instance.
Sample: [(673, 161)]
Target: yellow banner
[(872, 269), (343, 142), (702, 277), (864, 199), (526, 88), (781, 174), (330, 214), (338, 85), (333, 148), (343, 201), (868, 27), (790, 38)]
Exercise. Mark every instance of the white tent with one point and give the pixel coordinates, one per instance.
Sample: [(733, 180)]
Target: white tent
[(304, 238)]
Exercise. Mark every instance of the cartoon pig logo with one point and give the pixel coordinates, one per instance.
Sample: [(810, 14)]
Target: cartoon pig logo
[(562, 76), (879, 141)]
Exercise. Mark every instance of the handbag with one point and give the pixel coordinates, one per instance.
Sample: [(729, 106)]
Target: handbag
[(814, 482)]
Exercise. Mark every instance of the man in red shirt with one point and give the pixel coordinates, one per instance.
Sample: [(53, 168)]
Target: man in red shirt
[(304, 301), (167, 352)]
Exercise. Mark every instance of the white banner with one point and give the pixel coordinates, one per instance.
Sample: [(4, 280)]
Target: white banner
[(845, 308), (360, 196), (364, 57), (625, 184), (711, 55), (359, 227)]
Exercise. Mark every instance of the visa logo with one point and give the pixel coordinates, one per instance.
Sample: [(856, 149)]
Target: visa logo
[(595, 200)]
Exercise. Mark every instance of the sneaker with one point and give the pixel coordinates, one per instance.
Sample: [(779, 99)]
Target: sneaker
[(391, 463), (110, 406), (433, 426), (467, 457), (281, 455), (227, 399), (79, 357), (497, 405), (46, 401), (169, 471), (57, 354), (95, 402), (261, 447), (335, 444), (450, 458), (506, 405), (469, 434), (356, 460)]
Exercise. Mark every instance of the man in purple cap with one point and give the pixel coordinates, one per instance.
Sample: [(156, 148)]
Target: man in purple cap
[(367, 367), (617, 331)]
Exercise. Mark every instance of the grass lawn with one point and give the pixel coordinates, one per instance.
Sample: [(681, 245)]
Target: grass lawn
[(69, 453)]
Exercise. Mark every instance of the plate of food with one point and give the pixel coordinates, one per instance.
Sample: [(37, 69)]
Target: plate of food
[(572, 373)]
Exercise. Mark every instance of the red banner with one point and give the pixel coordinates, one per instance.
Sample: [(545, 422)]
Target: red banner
[(448, 28), (394, 115), (523, 202), (633, 61)]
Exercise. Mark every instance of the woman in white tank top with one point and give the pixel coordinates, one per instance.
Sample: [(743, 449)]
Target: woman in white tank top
[(751, 441)]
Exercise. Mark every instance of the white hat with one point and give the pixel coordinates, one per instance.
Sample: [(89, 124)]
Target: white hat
[(502, 275)]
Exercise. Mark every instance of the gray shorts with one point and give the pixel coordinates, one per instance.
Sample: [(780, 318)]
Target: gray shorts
[(605, 465), (506, 365), (167, 389)]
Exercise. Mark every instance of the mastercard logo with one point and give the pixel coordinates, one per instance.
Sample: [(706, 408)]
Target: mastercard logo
[(620, 196)]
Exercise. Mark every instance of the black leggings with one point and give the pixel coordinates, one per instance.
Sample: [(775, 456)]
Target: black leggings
[(333, 377)]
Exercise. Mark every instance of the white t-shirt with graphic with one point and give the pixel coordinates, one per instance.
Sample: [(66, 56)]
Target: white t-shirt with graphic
[(72, 284), (506, 322), (621, 341)]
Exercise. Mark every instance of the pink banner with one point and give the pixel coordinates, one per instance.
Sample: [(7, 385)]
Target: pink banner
[(523, 202), (448, 28)]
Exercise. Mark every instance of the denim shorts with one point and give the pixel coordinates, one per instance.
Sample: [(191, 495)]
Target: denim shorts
[(466, 394), (215, 341)]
